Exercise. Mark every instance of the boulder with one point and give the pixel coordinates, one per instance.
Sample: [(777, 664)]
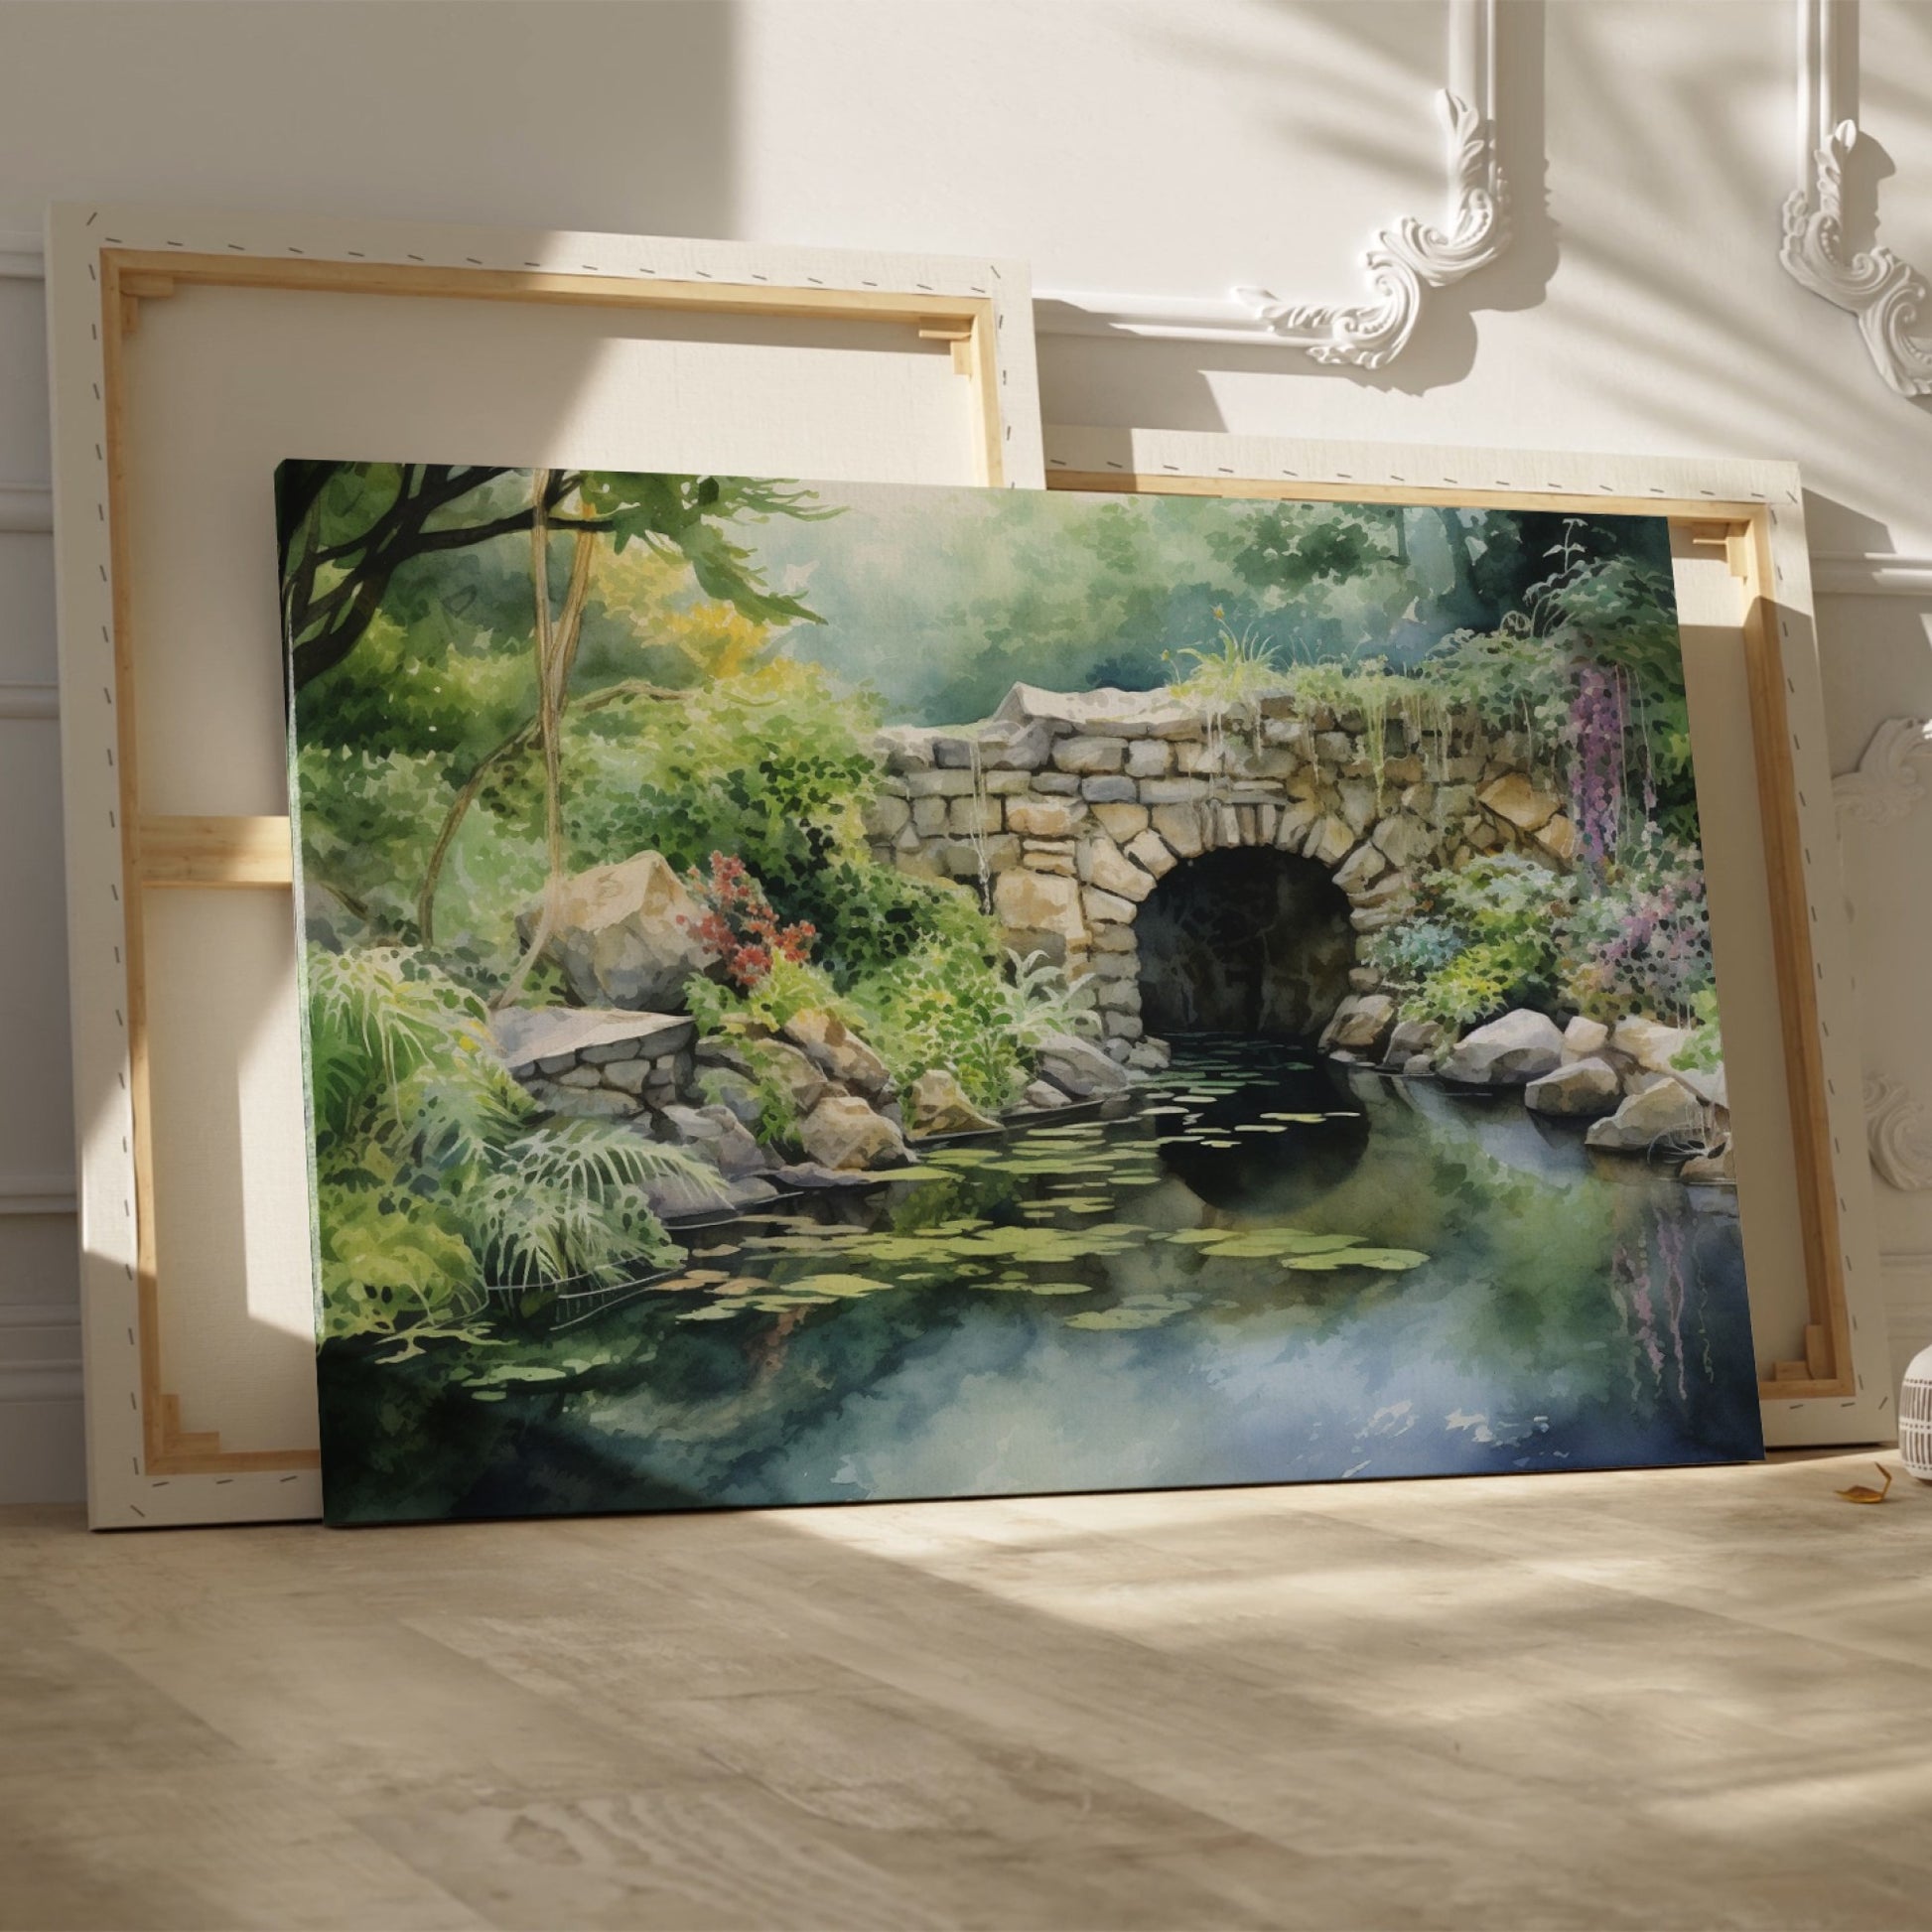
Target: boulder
[(1043, 1095), (844, 1134), (939, 1106), (1714, 1169), (802, 1082), (625, 935), (1661, 1113), (737, 1095), (1413, 1037), (1361, 1025), (1576, 1090), (1077, 1067), (1509, 1052), (1652, 1043), (839, 1052), (1709, 1087), (815, 1174), (1418, 1066), (1583, 1040), (715, 1134)]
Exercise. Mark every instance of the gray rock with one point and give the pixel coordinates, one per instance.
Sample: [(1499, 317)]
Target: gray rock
[(1509, 1052), (625, 935), (814, 1174), (940, 1106), (1660, 1115), (1583, 1040), (1652, 1043), (1576, 1090), (839, 1052), (1361, 1025), (1077, 1067), (803, 1083), (1413, 1037), (715, 1134), (528, 1037), (734, 1091), (1150, 1055), (1043, 1096), (1418, 1066), (842, 1133)]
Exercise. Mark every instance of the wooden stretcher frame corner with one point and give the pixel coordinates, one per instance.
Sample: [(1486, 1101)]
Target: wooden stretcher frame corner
[(146, 1466), (1835, 1385)]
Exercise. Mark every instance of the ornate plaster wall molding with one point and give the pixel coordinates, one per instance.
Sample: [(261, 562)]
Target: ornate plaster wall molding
[(1899, 1133), (1886, 784), (1405, 262), (1887, 295)]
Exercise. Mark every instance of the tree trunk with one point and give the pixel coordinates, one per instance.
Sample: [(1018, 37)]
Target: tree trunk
[(556, 656)]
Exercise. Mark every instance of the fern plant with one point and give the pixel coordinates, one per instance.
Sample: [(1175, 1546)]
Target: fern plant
[(432, 1183)]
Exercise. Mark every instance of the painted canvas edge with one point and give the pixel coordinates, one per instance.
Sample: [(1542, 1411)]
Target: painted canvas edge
[(1867, 1415), (120, 1494)]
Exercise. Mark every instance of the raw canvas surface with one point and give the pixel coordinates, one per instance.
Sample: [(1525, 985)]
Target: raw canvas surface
[(829, 992)]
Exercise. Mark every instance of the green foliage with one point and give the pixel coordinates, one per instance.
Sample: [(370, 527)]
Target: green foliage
[(945, 1005), (1506, 931), (1484, 939), (1704, 1051), (1039, 1002), (431, 1178), (791, 987)]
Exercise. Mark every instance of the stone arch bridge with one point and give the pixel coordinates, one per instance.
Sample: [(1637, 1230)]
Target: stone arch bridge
[(1075, 812)]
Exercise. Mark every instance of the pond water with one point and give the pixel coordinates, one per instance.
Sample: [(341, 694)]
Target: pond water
[(1270, 1269)]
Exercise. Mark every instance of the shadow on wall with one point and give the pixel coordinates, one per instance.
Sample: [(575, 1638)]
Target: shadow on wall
[(1246, 940)]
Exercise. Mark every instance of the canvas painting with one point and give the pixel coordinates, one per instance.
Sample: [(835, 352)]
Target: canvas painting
[(821, 992)]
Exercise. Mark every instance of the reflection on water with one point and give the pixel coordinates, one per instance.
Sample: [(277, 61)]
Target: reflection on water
[(1268, 1271)]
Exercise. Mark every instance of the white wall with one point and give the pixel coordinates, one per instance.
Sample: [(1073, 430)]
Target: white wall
[(1121, 145)]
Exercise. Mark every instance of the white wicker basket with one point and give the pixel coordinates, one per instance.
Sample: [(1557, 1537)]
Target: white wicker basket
[(1915, 1417)]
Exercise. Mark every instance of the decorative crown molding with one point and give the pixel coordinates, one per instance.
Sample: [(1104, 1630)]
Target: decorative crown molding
[(1887, 295), (1405, 262), (1886, 784)]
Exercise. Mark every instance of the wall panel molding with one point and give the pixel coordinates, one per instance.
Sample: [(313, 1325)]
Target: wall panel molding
[(1406, 262), (26, 509), (36, 1193), (1886, 293), (40, 1351)]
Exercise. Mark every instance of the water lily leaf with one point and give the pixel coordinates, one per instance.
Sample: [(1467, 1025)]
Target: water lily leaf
[(1306, 1120), (841, 1285), (713, 1311), (1129, 1317), (1395, 1260)]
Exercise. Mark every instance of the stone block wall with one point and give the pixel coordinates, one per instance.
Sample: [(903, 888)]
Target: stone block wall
[(1067, 808)]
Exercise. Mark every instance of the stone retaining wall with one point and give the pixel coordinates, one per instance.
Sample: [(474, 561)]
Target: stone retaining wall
[(599, 1061)]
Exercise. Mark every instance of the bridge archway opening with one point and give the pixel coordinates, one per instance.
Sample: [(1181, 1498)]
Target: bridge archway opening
[(1247, 939)]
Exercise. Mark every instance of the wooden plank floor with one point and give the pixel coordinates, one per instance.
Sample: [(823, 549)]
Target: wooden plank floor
[(1686, 1699)]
